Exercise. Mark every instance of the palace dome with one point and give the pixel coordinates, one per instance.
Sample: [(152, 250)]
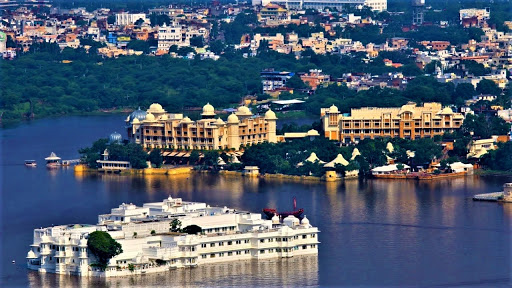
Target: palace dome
[(150, 117), (270, 115), (156, 108), (31, 255), (243, 111), (186, 120), (135, 121), (333, 109), (233, 119), (138, 114), (219, 121), (115, 137), (208, 110)]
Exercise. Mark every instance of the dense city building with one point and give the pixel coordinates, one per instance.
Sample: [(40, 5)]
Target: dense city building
[(155, 128), (409, 121), (376, 5)]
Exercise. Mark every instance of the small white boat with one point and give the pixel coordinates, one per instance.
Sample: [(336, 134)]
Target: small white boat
[(30, 163)]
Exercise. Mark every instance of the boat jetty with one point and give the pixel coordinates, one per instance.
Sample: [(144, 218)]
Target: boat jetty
[(505, 196), (152, 240), (53, 161)]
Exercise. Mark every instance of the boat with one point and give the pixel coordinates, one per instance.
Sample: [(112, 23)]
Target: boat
[(30, 163), (52, 161), (270, 212)]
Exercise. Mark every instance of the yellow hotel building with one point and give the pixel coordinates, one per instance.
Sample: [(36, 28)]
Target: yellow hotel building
[(155, 128), (409, 121)]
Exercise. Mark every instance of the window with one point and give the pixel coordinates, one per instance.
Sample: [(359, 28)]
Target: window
[(203, 256), (246, 241), (221, 254), (212, 255), (238, 252), (304, 236), (230, 253), (212, 244), (278, 239), (304, 247), (313, 235), (262, 240), (221, 243), (203, 245), (238, 242), (247, 251), (262, 251), (230, 242)]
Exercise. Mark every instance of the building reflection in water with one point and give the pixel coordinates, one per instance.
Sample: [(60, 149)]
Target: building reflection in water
[(301, 271)]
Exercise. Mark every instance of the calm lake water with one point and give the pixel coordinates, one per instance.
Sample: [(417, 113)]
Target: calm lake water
[(373, 232)]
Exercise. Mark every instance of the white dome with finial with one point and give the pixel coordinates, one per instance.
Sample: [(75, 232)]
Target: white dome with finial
[(31, 255), (136, 121), (275, 219), (291, 221), (232, 119), (149, 117), (333, 109), (243, 111), (208, 110), (156, 108), (219, 122), (270, 115), (305, 222)]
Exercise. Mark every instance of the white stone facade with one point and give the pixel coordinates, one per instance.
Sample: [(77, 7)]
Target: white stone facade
[(148, 246)]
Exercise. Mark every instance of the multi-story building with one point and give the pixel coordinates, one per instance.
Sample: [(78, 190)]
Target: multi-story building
[(409, 121), (314, 78), (179, 35), (155, 128), (376, 5), (148, 246), (124, 18), (273, 14), (273, 80)]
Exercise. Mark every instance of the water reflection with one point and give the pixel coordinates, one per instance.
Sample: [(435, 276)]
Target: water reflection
[(299, 271)]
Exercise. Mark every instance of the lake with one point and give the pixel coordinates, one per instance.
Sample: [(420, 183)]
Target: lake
[(373, 232)]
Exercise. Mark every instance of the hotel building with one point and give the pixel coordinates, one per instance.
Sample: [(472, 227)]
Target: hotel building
[(409, 121), (376, 5), (155, 128), (149, 247)]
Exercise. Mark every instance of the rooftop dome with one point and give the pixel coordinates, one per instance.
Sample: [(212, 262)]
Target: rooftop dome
[(243, 111), (313, 132), (291, 221), (233, 119), (446, 110), (156, 108), (115, 137), (186, 120), (275, 219), (270, 115), (138, 114), (208, 110), (219, 122), (31, 255), (150, 117), (135, 121), (305, 221), (163, 117), (333, 109)]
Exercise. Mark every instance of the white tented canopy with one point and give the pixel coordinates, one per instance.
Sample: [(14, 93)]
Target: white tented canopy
[(355, 153), (338, 160), (234, 159), (388, 168), (52, 156), (312, 158), (220, 161)]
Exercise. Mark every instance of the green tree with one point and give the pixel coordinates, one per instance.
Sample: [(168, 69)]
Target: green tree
[(103, 246), (192, 229), (175, 225), (296, 83), (487, 87), (156, 158), (194, 157), (197, 41)]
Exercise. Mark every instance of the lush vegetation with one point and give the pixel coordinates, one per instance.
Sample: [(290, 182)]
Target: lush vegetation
[(117, 152), (102, 245)]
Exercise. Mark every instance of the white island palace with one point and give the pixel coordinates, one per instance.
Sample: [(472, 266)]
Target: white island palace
[(148, 246)]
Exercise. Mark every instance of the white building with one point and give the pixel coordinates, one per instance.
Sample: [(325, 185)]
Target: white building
[(179, 35), (125, 18), (376, 5), (148, 246)]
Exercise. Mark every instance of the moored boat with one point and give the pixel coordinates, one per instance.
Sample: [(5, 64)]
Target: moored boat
[(269, 212), (52, 161), (30, 163)]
